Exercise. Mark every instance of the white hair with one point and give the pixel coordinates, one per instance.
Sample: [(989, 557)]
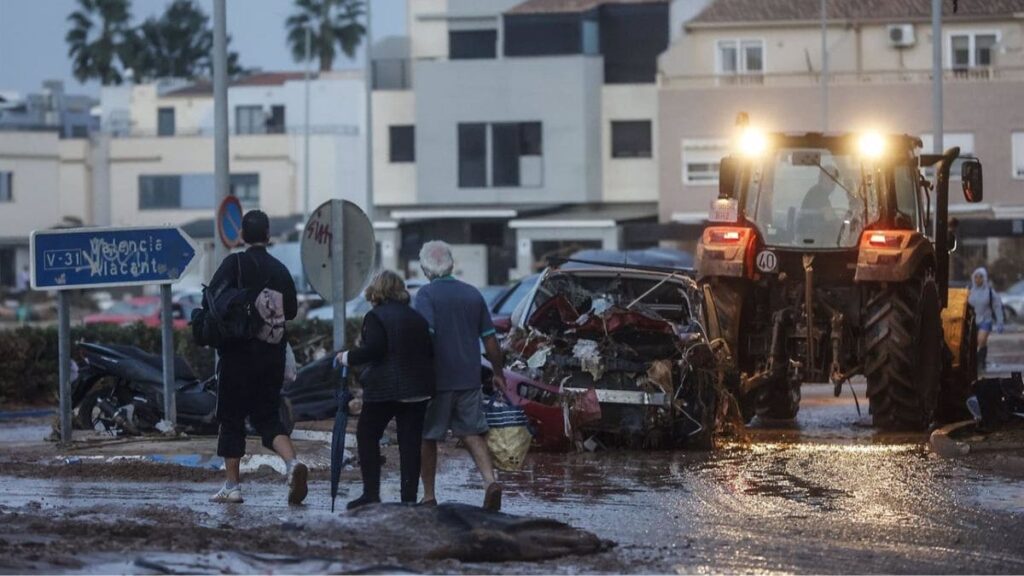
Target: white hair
[(436, 259)]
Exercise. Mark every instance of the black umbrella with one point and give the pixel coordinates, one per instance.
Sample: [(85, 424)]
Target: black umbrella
[(338, 435)]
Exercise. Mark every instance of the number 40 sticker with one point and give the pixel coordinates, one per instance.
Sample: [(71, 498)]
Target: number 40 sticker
[(767, 261)]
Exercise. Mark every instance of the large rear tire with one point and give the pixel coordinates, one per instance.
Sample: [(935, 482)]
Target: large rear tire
[(904, 359), (778, 400)]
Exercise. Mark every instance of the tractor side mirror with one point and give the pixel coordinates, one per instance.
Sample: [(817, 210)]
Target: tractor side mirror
[(728, 171), (970, 177)]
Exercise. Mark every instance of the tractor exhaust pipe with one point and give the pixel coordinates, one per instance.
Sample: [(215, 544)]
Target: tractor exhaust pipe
[(942, 222)]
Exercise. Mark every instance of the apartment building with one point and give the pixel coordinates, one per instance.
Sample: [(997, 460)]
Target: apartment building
[(151, 162), (517, 130), (765, 59)]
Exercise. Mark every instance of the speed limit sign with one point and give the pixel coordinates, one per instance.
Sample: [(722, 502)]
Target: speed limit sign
[(767, 261)]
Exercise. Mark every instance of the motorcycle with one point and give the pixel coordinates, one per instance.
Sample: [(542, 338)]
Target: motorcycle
[(120, 388)]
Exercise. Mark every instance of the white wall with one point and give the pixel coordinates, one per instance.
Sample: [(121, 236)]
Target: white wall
[(393, 184), (629, 179)]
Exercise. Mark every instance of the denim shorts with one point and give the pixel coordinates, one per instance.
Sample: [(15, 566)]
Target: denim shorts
[(985, 326), (460, 411)]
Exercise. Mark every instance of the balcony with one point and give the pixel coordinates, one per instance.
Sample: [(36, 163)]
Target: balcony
[(207, 131), (797, 79)]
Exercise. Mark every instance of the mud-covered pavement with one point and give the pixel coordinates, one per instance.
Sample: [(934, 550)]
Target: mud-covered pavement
[(828, 494)]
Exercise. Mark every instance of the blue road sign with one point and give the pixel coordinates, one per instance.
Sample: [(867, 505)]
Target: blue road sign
[(106, 257), (230, 218)]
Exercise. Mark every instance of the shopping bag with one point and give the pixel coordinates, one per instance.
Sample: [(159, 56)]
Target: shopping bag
[(509, 437)]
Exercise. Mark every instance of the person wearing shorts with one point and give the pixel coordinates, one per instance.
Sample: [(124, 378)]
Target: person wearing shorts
[(459, 320)]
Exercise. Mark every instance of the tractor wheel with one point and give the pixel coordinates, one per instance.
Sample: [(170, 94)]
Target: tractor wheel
[(904, 356), (778, 400)]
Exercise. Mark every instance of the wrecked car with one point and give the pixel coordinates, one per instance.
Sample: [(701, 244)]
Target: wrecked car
[(602, 356)]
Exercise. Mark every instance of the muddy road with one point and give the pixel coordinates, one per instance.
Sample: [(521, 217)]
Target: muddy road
[(826, 494)]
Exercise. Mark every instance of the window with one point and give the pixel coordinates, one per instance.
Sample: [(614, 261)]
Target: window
[(472, 44), (701, 159), (631, 139), (159, 192), (740, 57), (246, 187), (250, 120), (275, 124), (515, 154), (6, 186), (516, 150), (193, 191), (165, 122), (1016, 144), (402, 144), (972, 50), (472, 155), (965, 140)]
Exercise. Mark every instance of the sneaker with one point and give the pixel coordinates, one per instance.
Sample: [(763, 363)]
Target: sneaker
[(228, 496), (297, 483)]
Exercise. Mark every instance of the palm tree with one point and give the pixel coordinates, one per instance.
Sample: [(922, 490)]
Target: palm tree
[(177, 45), (332, 23), (97, 38)]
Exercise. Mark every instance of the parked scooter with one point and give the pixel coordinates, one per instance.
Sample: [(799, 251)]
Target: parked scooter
[(120, 388)]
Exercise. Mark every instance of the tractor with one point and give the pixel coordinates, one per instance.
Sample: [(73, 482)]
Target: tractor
[(827, 256)]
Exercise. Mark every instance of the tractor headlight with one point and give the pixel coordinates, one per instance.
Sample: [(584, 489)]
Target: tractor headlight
[(871, 145), (752, 142)]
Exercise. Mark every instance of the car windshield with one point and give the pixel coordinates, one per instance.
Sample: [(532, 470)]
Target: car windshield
[(811, 198)]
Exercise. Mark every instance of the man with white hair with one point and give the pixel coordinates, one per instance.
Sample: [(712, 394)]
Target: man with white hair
[(459, 319)]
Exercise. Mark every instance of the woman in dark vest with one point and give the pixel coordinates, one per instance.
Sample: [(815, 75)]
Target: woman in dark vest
[(395, 364)]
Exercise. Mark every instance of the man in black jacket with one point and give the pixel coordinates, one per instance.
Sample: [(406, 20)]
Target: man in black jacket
[(250, 373)]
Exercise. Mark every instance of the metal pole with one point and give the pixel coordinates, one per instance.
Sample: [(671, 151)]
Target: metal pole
[(220, 122), (338, 271), (368, 80), (64, 363), (305, 134), (167, 341), (937, 76), (824, 66)]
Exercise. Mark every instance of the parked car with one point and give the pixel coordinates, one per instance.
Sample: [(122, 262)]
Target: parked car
[(358, 306), (144, 309), (1013, 302), (620, 350)]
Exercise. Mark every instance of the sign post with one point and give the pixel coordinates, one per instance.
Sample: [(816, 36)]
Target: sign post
[(82, 258), (64, 364), (167, 350), (338, 273), (338, 251)]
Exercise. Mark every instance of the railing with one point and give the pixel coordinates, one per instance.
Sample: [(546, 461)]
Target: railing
[(392, 74), (204, 132), (954, 76)]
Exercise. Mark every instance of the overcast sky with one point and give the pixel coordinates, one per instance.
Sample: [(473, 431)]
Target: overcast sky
[(32, 47)]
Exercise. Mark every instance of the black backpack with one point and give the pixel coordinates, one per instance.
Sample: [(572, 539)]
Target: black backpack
[(226, 316)]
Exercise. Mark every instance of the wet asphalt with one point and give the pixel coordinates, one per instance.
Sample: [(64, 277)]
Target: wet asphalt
[(824, 494)]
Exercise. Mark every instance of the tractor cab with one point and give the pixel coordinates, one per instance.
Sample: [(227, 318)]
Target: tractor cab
[(825, 256)]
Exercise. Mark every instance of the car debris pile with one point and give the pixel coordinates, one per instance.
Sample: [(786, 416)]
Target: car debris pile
[(614, 357)]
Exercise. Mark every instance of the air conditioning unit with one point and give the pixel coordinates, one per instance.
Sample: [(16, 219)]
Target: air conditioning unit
[(901, 35)]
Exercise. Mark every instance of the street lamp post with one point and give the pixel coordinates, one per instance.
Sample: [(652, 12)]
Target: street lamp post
[(220, 123)]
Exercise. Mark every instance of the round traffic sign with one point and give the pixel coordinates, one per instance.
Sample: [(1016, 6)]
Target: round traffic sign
[(767, 261), (359, 242), (229, 222)]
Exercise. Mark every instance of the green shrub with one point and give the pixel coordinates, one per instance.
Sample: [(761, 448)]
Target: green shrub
[(28, 355)]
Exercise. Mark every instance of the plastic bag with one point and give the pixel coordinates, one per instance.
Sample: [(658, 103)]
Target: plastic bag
[(509, 438)]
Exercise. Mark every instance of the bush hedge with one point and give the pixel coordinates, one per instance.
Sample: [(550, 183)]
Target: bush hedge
[(28, 355)]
